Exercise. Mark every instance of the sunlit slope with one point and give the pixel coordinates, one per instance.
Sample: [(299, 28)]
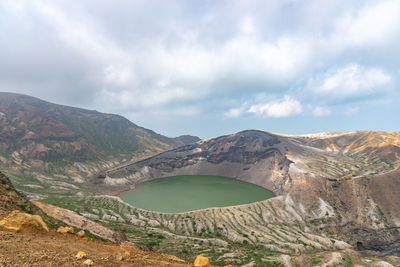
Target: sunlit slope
[(347, 155)]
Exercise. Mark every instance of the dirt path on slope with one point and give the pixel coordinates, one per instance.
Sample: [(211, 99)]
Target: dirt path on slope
[(55, 249)]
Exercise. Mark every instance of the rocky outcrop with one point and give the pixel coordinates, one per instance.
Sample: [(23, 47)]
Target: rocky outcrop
[(382, 241), (18, 221), (79, 221), (11, 199)]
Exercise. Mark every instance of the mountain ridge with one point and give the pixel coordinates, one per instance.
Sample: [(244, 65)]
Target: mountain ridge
[(45, 140), (353, 177), (333, 190)]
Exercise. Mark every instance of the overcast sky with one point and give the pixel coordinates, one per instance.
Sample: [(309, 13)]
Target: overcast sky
[(209, 68)]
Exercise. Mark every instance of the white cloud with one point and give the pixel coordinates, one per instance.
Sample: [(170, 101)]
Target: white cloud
[(350, 81), (276, 61), (370, 25), (234, 112), (117, 75), (247, 27), (322, 111), (125, 61), (80, 34), (162, 73), (285, 108)]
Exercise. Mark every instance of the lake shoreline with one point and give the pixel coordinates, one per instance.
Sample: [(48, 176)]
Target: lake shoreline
[(118, 192)]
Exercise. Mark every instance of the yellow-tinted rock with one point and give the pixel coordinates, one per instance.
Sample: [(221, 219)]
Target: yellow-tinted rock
[(81, 233), (120, 257), (201, 261), (80, 255), (65, 230), (124, 254), (18, 221), (228, 265)]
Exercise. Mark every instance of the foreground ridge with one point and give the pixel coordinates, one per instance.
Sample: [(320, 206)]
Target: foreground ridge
[(25, 240)]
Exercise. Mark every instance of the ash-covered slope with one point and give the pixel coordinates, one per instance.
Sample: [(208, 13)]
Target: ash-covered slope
[(354, 175), (264, 158), (253, 156)]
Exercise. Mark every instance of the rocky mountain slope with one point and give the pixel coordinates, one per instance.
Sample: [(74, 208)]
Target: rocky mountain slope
[(275, 240), (11, 199), (26, 240), (335, 192), (264, 158), (61, 146), (273, 232), (342, 183)]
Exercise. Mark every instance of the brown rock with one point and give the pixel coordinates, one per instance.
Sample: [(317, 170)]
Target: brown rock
[(65, 230), (202, 261), (124, 254), (120, 257), (18, 221), (119, 237)]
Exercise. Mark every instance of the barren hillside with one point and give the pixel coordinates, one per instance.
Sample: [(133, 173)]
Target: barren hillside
[(33, 246), (53, 149)]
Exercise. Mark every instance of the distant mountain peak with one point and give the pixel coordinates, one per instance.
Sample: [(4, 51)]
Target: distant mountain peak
[(39, 137)]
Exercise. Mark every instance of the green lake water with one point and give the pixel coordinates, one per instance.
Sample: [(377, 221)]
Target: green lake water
[(186, 193)]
